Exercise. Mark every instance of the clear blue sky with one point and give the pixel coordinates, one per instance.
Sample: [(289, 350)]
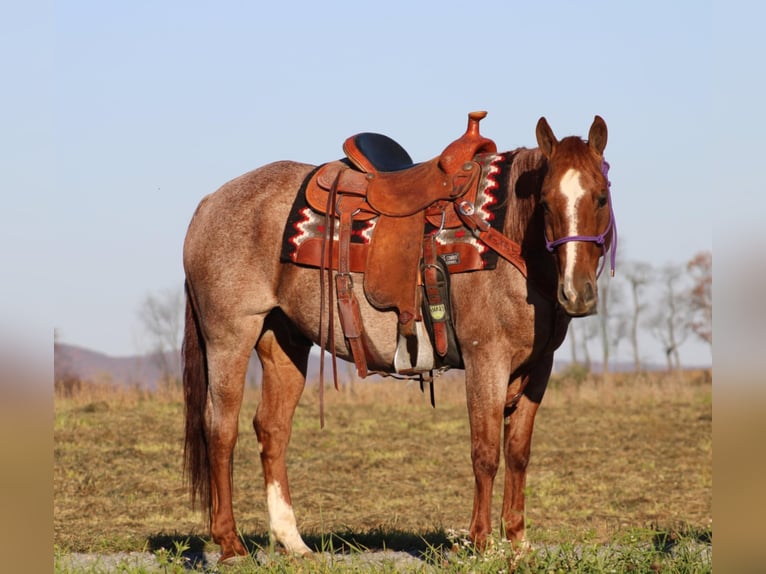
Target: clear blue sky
[(120, 116)]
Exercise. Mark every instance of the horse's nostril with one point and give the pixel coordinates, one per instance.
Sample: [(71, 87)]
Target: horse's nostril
[(562, 293)]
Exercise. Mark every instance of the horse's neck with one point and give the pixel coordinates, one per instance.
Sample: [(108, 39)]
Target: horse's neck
[(526, 169)]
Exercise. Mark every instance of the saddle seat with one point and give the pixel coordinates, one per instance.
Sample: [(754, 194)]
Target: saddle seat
[(378, 179), (377, 152)]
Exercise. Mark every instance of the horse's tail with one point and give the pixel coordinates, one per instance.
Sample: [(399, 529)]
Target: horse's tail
[(196, 456)]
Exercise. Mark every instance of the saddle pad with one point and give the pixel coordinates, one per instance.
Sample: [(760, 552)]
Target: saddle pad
[(461, 251)]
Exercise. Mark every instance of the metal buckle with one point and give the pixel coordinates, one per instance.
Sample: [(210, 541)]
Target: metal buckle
[(466, 207)]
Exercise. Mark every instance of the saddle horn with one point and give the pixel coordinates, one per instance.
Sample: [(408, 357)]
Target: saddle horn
[(468, 145)]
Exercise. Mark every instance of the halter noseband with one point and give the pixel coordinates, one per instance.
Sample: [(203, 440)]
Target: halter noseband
[(597, 239)]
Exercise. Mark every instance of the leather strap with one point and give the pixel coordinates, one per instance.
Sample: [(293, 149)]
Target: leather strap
[(507, 249), (327, 252), (433, 294), (348, 306)]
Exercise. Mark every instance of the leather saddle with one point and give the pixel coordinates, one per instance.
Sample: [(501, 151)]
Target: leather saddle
[(378, 180)]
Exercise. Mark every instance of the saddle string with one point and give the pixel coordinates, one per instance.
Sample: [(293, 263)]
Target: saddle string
[(331, 310), (327, 243)]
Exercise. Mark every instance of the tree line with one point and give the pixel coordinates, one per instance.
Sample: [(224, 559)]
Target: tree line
[(670, 303)]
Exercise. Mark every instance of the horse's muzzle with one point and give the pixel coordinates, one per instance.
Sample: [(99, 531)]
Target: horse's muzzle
[(581, 302)]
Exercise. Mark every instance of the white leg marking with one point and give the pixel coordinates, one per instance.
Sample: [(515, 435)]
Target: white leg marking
[(282, 523), (573, 191)]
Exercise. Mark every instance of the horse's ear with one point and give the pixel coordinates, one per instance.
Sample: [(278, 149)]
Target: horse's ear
[(545, 138), (597, 136)]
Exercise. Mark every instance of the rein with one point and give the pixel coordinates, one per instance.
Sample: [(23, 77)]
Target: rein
[(611, 229)]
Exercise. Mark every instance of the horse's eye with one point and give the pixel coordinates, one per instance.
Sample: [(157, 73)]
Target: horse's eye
[(602, 200), (546, 207)]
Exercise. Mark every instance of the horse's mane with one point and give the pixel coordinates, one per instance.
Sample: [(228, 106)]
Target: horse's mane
[(524, 169)]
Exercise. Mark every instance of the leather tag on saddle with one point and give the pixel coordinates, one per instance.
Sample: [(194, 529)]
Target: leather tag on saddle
[(437, 308)]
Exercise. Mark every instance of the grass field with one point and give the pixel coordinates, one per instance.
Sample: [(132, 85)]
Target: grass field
[(625, 463)]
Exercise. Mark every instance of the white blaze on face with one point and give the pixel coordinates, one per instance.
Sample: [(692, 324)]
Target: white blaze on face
[(282, 521), (572, 191)]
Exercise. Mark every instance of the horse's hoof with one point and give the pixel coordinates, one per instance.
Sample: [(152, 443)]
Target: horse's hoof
[(304, 552), (232, 559)]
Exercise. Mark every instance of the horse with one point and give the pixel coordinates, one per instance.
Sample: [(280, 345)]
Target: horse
[(240, 296)]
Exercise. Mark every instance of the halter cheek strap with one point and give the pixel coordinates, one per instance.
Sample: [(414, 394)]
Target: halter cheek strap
[(611, 229)]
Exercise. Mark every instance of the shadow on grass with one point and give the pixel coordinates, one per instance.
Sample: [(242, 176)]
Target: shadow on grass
[(666, 539), (196, 549), (415, 543), (193, 548)]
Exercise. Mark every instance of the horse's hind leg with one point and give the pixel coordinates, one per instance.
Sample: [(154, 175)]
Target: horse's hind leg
[(284, 356), (228, 354)]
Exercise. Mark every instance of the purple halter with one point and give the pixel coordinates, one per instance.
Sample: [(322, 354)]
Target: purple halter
[(597, 239)]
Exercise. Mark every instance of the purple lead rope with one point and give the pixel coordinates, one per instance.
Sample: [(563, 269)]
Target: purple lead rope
[(597, 239)]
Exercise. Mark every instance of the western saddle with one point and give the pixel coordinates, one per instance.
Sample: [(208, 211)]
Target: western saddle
[(378, 179)]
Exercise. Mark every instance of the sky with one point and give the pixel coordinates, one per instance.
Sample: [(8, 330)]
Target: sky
[(118, 117)]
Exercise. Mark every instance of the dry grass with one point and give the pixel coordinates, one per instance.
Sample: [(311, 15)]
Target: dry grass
[(608, 457)]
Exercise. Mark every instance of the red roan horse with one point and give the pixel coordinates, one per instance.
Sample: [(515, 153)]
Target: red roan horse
[(240, 296)]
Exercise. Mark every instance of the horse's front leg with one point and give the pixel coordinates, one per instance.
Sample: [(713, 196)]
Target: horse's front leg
[(518, 424), (485, 392)]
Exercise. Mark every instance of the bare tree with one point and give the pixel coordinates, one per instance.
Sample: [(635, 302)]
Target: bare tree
[(572, 336), (669, 322), (62, 363), (638, 275), (587, 330), (161, 315), (611, 319), (701, 296), (65, 380)]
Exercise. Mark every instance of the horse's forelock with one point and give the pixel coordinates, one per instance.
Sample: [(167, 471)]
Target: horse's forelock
[(574, 152)]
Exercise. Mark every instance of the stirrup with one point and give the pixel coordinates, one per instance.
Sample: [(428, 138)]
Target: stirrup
[(424, 354)]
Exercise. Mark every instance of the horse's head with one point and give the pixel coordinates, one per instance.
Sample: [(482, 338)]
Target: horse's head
[(579, 223)]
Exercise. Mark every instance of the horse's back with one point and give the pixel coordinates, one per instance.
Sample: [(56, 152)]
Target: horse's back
[(267, 189), (231, 251)]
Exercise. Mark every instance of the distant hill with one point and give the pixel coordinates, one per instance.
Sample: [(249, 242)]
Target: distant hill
[(144, 370), (71, 361), (88, 365)]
